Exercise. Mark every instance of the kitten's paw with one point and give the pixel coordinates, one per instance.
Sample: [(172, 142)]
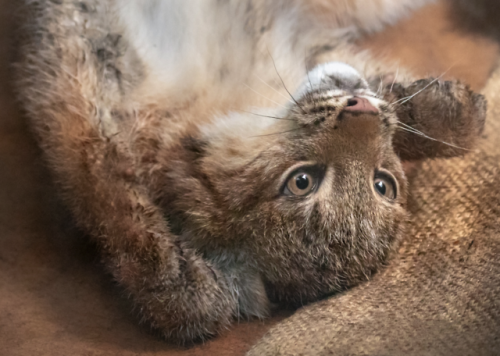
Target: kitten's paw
[(441, 118), (248, 289)]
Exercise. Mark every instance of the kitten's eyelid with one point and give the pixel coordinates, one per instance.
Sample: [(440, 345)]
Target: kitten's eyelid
[(296, 167), (386, 172)]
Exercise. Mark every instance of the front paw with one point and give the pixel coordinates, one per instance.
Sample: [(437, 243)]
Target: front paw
[(436, 118), (248, 289)]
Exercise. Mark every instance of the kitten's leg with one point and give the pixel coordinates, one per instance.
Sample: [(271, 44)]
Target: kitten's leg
[(174, 289)]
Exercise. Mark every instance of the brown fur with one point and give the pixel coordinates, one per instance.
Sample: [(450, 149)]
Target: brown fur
[(194, 225)]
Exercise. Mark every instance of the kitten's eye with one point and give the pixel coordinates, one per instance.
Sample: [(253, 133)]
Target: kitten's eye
[(301, 184), (385, 185)]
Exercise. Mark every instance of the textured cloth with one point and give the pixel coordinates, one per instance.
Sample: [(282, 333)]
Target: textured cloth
[(441, 294)]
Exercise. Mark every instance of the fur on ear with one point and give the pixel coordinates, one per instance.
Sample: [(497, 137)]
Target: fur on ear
[(436, 118)]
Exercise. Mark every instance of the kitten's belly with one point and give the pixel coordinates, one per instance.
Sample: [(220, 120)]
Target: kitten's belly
[(194, 50)]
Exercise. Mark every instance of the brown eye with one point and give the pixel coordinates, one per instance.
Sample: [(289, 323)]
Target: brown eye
[(301, 184), (385, 185)]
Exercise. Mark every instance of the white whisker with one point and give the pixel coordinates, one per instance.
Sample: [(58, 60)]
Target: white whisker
[(271, 117), (394, 81), (417, 132), (408, 98), (282, 82), (263, 96), (275, 133), (284, 96), (380, 86)]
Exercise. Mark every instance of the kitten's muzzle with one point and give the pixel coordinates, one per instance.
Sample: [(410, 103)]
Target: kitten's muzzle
[(360, 122)]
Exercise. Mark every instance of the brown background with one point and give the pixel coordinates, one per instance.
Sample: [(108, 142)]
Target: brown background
[(55, 298)]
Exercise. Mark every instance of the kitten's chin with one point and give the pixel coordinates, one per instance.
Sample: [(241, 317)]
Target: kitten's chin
[(321, 284)]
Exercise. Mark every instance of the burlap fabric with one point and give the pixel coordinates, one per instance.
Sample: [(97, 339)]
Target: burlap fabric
[(441, 295)]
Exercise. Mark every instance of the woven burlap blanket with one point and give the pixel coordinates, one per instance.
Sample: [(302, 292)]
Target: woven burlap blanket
[(441, 294)]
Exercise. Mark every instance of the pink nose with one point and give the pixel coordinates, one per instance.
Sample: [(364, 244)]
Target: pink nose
[(360, 105)]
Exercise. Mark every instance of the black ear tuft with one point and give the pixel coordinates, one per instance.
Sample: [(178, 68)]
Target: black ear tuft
[(448, 114)]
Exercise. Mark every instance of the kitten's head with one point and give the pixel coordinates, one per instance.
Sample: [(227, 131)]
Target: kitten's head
[(312, 197)]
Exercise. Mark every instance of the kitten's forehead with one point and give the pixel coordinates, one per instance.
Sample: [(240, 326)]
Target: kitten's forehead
[(336, 76)]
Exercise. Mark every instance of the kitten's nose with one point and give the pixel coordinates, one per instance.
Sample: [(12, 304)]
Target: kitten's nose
[(360, 105)]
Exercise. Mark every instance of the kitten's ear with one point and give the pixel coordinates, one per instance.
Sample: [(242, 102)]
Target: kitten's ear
[(436, 118)]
